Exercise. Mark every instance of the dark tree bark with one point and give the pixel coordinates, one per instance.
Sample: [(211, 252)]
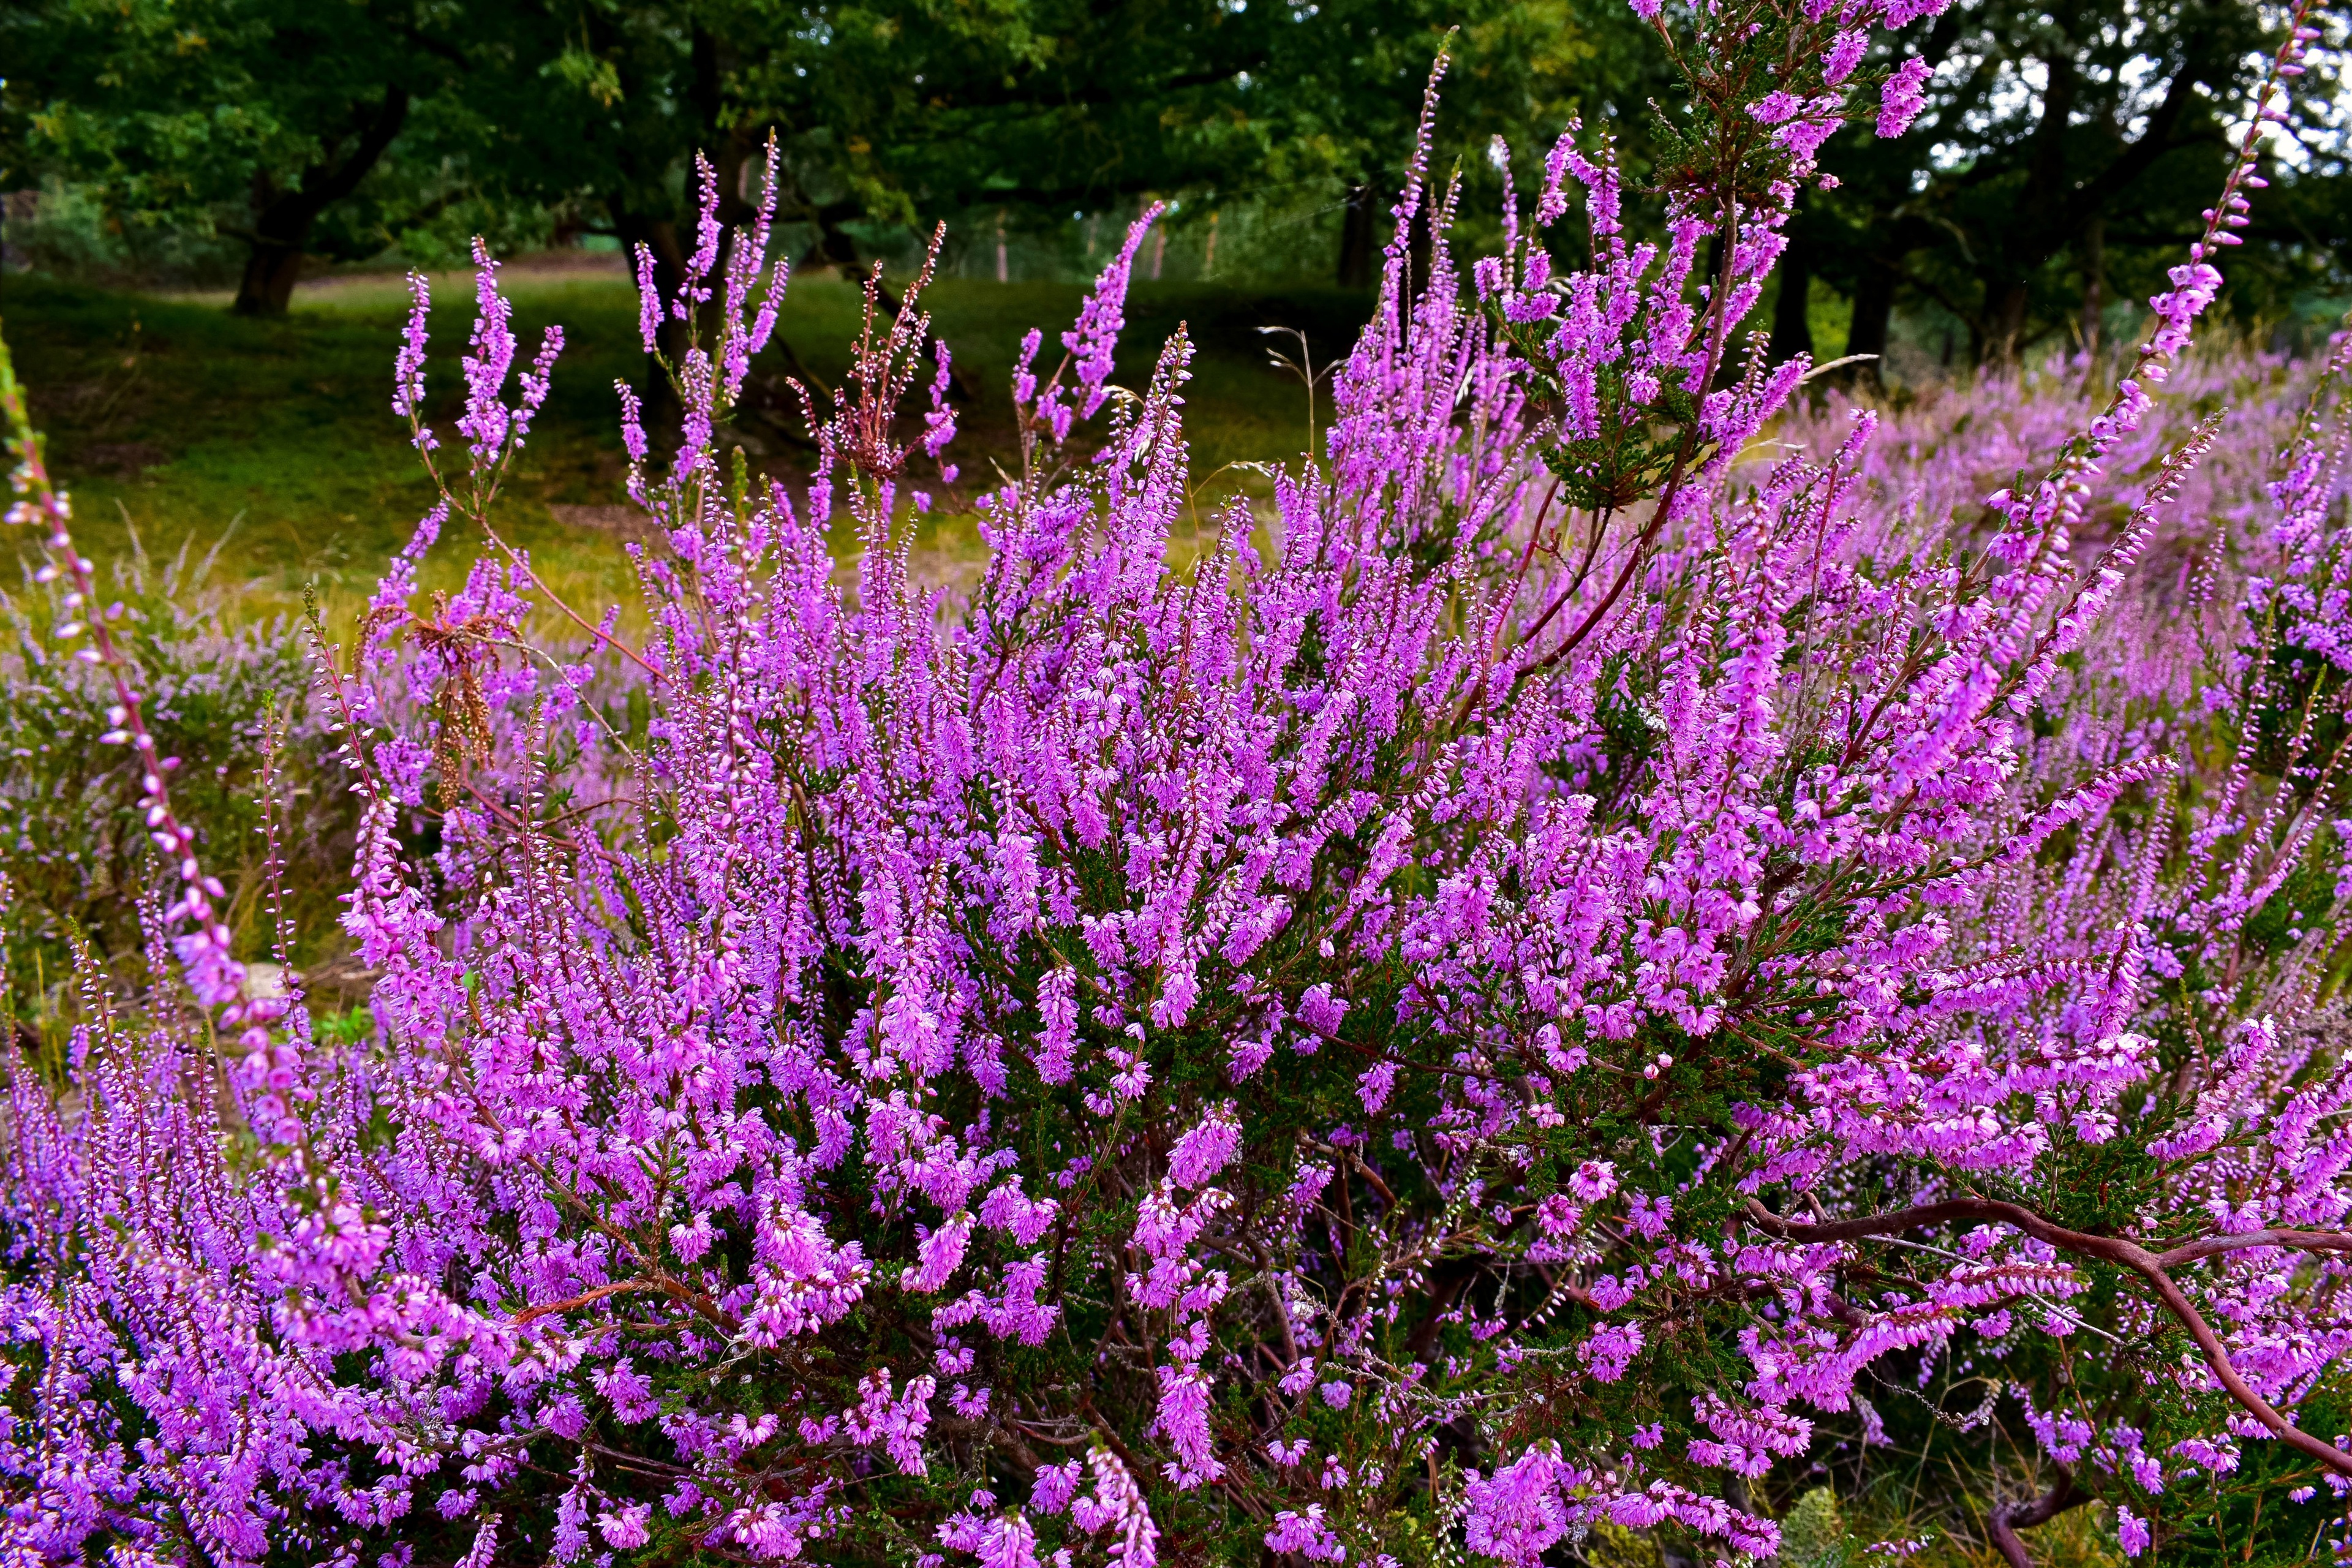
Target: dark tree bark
[(668, 235), (2001, 336), (282, 223), (1420, 247), (836, 249), (2095, 279), (1793, 326), (1359, 239), (1874, 308), (1997, 336), (735, 153)]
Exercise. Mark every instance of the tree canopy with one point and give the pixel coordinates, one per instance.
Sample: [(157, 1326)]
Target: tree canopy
[(2059, 157), (2061, 162)]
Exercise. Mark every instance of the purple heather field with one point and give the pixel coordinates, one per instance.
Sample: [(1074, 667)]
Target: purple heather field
[(1655, 957)]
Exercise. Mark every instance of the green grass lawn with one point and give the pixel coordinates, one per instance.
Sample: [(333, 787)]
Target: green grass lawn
[(172, 418)]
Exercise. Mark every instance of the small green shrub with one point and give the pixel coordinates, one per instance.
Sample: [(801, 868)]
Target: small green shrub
[(225, 701), (1813, 1534)]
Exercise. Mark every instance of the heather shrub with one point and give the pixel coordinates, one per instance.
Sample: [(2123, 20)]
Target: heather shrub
[(226, 701), (1517, 1009), (1934, 456)]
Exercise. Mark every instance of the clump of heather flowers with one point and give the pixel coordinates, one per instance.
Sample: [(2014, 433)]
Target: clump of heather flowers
[(1506, 1001)]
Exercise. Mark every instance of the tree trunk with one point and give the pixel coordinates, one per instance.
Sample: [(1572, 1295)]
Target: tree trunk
[(282, 224), (2095, 279), (1727, 368), (1793, 326), (837, 249), (1874, 308), (271, 269), (833, 248), (2003, 333), (1420, 246), (1359, 241)]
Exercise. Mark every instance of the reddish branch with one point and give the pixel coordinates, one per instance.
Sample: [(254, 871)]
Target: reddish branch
[(2300, 1240), (573, 1304), (2009, 1518), (2124, 1254)]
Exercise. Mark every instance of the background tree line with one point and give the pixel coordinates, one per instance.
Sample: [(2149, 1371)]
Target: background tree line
[(2061, 165)]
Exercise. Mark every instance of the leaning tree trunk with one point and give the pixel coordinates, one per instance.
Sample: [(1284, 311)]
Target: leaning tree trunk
[(273, 265), (836, 247), (1873, 312), (1359, 239), (1792, 325), (2094, 281), (281, 227), (2001, 339), (1420, 247)]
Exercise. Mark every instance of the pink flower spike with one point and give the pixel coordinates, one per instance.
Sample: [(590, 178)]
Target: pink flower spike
[(649, 309), (1902, 97)]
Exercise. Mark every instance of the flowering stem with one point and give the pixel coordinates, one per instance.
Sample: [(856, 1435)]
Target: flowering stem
[(51, 511)]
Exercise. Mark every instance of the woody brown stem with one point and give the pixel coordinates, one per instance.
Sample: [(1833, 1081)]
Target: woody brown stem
[(2124, 1254), (2008, 1519)]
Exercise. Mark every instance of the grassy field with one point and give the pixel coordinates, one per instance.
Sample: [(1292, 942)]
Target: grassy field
[(173, 420)]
